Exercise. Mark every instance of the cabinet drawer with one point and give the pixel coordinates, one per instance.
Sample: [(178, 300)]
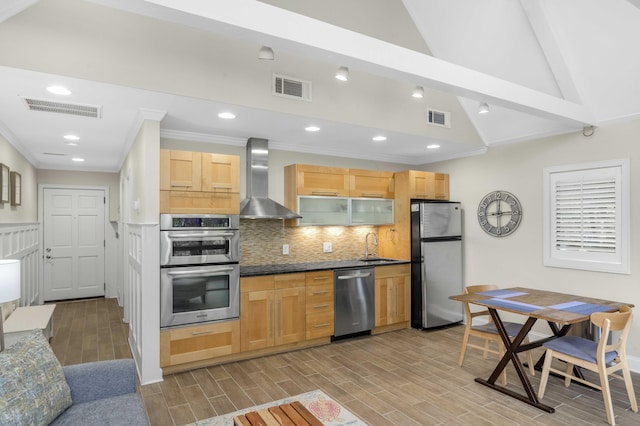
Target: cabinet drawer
[(392, 271), (319, 295), (289, 280), (319, 277), (319, 324), (258, 283), (188, 344)]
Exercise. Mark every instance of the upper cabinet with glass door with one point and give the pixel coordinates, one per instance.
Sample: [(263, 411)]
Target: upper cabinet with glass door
[(339, 196)]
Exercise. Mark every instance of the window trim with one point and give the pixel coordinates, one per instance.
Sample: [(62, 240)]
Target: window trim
[(620, 263)]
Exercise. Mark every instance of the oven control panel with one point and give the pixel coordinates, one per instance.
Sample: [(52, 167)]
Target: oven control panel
[(169, 222)]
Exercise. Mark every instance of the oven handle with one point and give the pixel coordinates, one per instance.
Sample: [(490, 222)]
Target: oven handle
[(194, 235), (199, 271)]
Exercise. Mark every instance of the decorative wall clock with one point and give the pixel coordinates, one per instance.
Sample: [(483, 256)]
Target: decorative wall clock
[(499, 213)]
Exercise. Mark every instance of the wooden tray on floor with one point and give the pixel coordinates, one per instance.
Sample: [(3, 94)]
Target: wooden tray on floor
[(293, 414)]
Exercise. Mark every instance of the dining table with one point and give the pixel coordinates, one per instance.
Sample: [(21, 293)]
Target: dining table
[(559, 310)]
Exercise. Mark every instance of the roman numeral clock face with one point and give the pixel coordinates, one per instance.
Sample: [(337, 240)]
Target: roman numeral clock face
[(499, 213)]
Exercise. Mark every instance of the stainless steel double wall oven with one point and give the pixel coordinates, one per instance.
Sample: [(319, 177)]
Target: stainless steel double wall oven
[(199, 271)]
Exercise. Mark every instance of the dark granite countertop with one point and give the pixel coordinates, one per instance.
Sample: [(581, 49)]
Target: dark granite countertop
[(289, 268)]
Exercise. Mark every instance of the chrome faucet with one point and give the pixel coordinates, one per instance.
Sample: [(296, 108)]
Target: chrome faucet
[(366, 243)]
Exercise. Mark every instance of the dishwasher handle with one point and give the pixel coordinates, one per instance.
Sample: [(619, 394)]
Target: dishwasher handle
[(352, 276)]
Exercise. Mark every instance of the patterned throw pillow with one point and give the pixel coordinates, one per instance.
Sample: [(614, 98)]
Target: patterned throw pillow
[(33, 390)]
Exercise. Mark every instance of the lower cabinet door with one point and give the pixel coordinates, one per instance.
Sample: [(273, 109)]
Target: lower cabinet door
[(392, 294), (257, 319), (290, 315), (188, 344)]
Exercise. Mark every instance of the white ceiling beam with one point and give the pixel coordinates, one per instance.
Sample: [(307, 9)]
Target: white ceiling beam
[(279, 28), (548, 43), (9, 8)]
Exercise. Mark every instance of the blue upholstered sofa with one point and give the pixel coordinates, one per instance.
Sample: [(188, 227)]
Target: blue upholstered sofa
[(36, 390), (103, 393)]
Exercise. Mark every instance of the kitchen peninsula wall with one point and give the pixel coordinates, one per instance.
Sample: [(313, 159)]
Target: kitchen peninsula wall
[(261, 242)]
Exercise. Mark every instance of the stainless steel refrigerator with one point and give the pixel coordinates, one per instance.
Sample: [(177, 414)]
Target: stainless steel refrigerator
[(436, 263)]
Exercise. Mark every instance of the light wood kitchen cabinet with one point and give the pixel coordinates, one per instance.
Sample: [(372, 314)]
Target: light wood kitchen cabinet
[(410, 184), (370, 184), (425, 185), (180, 170), (272, 310), (199, 342), (302, 179), (392, 294), (320, 304), (338, 196), (199, 202), (220, 173), (195, 182)]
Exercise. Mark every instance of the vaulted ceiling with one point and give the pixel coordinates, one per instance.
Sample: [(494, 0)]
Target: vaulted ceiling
[(543, 67)]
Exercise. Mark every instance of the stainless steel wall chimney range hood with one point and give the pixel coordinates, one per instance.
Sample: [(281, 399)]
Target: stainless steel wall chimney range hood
[(258, 205)]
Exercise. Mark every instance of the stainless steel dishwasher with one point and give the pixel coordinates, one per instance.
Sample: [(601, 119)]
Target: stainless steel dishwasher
[(354, 301)]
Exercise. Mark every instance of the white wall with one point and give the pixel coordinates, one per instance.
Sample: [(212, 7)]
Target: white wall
[(27, 212), (141, 169), (65, 177), (516, 260), (18, 227)]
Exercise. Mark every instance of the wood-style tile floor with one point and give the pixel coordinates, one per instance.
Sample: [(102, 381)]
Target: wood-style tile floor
[(408, 377)]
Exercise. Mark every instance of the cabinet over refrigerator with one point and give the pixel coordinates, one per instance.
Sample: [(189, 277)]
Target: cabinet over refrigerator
[(436, 263)]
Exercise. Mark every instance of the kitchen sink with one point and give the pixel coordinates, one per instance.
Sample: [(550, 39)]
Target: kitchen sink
[(377, 260)]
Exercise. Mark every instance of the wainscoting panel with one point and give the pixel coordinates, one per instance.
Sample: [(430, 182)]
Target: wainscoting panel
[(142, 299), (20, 241)]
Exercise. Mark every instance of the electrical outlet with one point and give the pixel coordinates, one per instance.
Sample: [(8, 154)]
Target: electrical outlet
[(285, 249), (327, 247)]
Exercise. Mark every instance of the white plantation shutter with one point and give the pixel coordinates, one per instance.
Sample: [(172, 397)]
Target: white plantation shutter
[(586, 217)]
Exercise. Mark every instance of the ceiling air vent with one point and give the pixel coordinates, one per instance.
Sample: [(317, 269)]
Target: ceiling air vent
[(293, 88), (439, 118), (63, 107)]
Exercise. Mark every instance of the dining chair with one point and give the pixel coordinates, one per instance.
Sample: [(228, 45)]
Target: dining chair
[(599, 357), (487, 331)]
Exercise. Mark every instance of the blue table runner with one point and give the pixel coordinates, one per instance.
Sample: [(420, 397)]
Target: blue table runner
[(502, 293), (510, 304), (581, 307)]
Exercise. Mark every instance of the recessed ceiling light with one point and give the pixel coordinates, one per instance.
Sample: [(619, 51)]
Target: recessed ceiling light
[(379, 138), (77, 159), (312, 129), (418, 92), (342, 74), (433, 146), (71, 144), (59, 90), (227, 115), (72, 137), (483, 108)]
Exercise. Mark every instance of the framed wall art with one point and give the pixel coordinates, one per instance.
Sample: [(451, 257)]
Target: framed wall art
[(4, 183), (16, 188)]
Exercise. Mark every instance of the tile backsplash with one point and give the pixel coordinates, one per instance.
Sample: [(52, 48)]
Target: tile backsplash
[(261, 242)]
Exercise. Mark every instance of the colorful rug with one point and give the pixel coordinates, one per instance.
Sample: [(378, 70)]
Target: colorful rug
[(329, 412)]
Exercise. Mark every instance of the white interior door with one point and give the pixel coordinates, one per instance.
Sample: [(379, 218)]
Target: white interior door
[(74, 243)]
